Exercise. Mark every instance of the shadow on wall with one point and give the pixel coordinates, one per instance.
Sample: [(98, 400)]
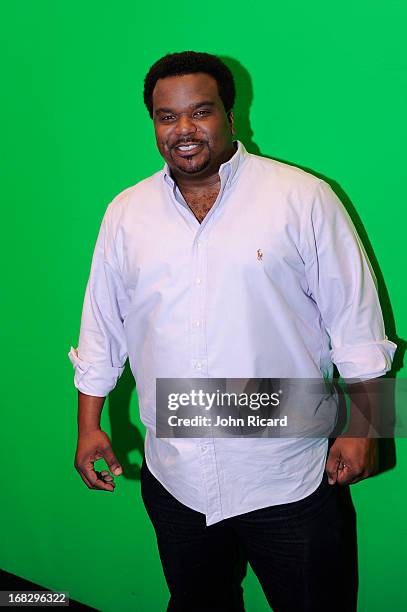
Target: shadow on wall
[(244, 99), (127, 438)]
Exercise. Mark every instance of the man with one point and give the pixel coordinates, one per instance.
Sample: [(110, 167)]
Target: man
[(227, 264)]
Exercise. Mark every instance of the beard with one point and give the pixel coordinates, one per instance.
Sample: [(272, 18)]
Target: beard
[(193, 168), (192, 164)]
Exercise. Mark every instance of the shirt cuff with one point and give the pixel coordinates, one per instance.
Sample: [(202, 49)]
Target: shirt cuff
[(364, 361), (97, 380)]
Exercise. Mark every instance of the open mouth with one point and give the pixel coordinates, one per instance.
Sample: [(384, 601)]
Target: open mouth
[(188, 149)]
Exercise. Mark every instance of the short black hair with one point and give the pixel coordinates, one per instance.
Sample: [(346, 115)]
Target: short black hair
[(190, 62)]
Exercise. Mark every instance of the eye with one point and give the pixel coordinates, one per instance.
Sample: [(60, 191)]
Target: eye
[(167, 118), (202, 113)]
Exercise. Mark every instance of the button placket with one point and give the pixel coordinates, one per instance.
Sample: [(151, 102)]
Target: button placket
[(197, 320), (211, 480), (200, 359)]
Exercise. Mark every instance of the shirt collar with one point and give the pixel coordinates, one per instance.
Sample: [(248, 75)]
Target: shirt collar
[(228, 171)]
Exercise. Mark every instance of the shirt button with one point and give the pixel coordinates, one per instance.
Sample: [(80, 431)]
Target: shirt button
[(197, 323), (198, 365), (203, 449), (198, 281)]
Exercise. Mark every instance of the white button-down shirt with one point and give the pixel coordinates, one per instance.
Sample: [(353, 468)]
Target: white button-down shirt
[(273, 283)]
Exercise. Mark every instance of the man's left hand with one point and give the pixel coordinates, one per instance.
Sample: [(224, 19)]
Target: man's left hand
[(351, 460)]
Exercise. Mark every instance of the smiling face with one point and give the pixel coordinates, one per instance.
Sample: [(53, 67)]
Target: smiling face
[(194, 134)]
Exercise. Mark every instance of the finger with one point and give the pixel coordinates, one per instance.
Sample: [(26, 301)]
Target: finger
[(85, 479), (348, 481), (332, 477), (98, 483), (112, 462), (105, 474), (331, 469), (94, 478), (345, 475), (102, 476), (348, 476), (82, 474)]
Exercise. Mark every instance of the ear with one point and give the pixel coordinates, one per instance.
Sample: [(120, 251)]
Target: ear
[(231, 119)]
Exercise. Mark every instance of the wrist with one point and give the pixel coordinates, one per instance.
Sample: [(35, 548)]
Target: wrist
[(88, 429)]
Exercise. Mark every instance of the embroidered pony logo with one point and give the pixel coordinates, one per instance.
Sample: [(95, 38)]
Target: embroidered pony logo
[(259, 255)]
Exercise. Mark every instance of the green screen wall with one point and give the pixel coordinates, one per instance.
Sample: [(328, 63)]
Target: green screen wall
[(321, 85)]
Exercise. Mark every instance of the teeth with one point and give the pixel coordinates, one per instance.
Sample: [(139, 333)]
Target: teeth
[(187, 148)]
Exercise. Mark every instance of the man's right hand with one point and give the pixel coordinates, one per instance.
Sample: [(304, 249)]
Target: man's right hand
[(92, 446)]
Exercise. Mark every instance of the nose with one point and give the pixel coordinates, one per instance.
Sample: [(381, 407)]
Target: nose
[(185, 126)]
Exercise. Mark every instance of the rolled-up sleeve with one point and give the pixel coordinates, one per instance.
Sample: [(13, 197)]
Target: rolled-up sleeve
[(343, 285), (101, 354)]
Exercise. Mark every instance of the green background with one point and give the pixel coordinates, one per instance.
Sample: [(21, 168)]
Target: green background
[(321, 85)]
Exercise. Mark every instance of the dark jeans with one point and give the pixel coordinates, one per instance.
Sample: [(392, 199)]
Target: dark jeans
[(295, 550)]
